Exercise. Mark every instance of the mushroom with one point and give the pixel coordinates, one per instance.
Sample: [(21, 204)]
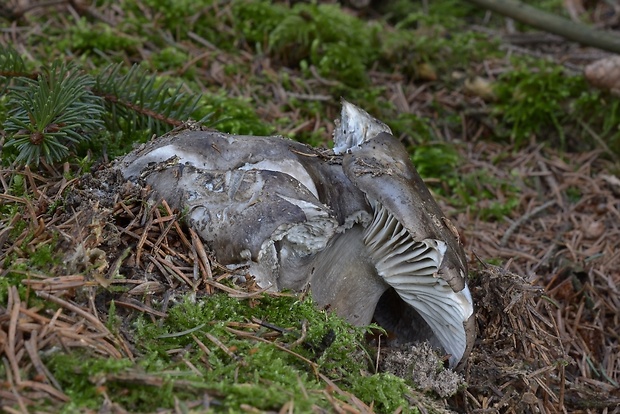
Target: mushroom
[(357, 225)]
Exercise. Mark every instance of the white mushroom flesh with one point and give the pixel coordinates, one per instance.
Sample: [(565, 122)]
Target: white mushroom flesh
[(355, 127), (290, 167)]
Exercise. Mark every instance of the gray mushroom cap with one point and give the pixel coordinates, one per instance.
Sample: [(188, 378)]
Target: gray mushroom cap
[(219, 152), (250, 198)]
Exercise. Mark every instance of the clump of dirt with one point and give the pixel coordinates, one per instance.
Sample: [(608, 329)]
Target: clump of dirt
[(519, 348), (421, 365)]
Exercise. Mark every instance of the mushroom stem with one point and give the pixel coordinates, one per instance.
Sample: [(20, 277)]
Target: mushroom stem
[(344, 278)]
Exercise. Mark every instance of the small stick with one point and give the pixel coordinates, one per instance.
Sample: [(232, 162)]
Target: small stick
[(163, 234), (220, 345), (304, 332), (202, 254), (514, 226), (174, 271), (89, 317), (177, 227), (125, 208), (552, 23), (10, 340)]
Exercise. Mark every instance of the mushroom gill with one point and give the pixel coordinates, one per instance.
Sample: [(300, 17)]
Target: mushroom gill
[(411, 268)]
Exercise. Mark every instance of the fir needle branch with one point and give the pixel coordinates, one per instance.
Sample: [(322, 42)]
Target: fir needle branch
[(140, 109)]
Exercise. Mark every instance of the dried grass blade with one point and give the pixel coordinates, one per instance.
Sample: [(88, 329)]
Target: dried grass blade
[(175, 271), (14, 304), (202, 254), (96, 323), (221, 345), (139, 306), (33, 353)]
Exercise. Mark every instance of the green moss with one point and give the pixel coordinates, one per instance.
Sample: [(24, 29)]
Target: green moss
[(534, 100), (411, 125), (86, 36), (232, 115), (258, 374), (7, 281), (255, 20), (339, 45), (175, 14), (86, 379), (435, 160), (598, 113), (476, 190), (26, 259), (448, 13), (386, 392), (496, 261), (45, 256), (169, 58), (438, 38)]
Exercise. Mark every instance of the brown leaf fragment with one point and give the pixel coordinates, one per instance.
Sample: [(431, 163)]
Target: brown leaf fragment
[(604, 74), (575, 9), (481, 87), (147, 288)]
